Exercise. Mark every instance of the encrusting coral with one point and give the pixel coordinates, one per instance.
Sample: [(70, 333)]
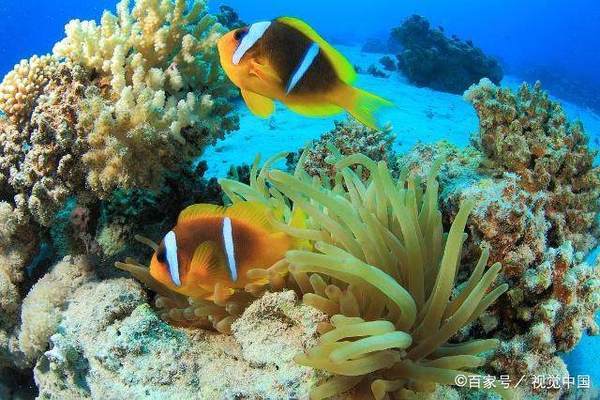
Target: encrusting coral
[(112, 340), (42, 307)]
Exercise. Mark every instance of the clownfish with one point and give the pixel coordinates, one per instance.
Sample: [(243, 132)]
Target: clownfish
[(212, 245), (286, 60)]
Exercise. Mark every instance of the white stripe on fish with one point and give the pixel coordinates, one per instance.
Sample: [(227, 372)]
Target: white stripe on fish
[(307, 60), (229, 248), (256, 31), (171, 248)]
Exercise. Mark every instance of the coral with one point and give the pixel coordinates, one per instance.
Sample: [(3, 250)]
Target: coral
[(111, 344), (113, 98), (528, 134), (346, 138), (111, 109), (18, 245), (429, 58), (376, 72), (229, 18), (41, 308), (381, 271), (553, 296), (388, 63), (21, 87), (159, 96), (40, 159)]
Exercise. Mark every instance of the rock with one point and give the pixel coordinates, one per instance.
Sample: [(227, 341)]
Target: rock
[(431, 59)]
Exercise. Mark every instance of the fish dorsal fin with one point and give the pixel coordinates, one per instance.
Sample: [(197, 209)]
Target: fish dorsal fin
[(315, 110), (206, 257), (200, 210), (342, 66), (251, 212), (259, 105)]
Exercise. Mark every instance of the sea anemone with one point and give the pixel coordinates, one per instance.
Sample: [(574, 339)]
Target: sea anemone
[(373, 256), (380, 265)]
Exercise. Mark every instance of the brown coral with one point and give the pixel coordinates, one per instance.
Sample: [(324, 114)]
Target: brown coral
[(528, 134), (553, 296), (346, 138)]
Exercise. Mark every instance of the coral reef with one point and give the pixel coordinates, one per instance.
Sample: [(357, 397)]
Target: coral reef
[(346, 138), (73, 129), (429, 58), (160, 90), (528, 134), (553, 296)]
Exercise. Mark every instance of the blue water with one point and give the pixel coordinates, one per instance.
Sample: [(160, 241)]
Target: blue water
[(556, 41), (553, 40)]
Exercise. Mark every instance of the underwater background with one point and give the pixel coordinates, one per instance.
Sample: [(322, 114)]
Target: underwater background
[(84, 168)]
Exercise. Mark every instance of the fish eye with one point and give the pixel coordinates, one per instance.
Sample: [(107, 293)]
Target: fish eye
[(240, 33)]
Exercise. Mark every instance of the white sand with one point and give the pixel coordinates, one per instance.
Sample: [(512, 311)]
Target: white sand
[(421, 115)]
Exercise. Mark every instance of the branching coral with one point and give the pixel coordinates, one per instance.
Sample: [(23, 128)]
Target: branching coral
[(21, 87), (160, 96), (384, 271), (528, 134), (80, 125)]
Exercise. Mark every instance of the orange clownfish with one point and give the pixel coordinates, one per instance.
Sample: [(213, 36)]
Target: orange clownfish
[(213, 245), (286, 60)]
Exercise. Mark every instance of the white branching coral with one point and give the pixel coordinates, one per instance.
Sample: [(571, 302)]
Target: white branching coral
[(159, 95)]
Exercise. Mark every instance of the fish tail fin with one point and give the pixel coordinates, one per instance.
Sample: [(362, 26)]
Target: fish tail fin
[(365, 106)]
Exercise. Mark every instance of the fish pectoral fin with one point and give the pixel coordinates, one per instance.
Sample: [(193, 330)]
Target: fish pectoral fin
[(206, 258), (259, 105), (315, 110), (342, 66), (200, 210), (264, 72), (251, 212)]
